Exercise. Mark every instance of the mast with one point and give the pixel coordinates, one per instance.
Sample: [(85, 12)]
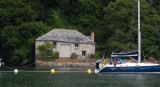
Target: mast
[(139, 34)]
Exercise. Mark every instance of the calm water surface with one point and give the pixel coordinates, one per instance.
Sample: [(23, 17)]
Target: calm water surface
[(73, 79)]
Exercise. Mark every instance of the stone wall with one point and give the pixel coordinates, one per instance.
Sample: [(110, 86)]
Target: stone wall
[(64, 64), (89, 48)]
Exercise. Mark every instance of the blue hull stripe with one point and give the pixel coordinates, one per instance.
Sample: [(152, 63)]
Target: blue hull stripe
[(132, 69)]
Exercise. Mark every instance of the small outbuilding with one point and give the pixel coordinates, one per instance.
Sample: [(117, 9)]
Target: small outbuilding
[(69, 43)]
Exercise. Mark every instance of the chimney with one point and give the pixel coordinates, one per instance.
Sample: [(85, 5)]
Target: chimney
[(92, 36)]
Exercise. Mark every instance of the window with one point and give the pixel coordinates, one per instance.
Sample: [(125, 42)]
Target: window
[(76, 45), (83, 53), (54, 43)]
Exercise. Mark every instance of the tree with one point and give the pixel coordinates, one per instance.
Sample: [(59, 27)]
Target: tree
[(19, 54), (15, 12), (17, 42), (55, 19), (121, 23), (46, 50)]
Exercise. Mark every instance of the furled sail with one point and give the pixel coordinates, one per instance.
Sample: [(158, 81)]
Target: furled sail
[(125, 54)]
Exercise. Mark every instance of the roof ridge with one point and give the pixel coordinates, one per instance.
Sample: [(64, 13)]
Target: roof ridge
[(64, 29)]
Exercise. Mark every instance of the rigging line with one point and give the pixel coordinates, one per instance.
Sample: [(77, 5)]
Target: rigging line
[(121, 43), (129, 42), (154, 19), (133, 14), (150, 52), (128, 36), (132, 20), (132, 24)]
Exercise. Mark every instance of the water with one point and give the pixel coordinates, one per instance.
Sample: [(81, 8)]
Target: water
[(27, 77)]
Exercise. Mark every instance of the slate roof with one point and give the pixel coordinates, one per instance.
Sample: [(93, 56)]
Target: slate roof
[(65, 35)]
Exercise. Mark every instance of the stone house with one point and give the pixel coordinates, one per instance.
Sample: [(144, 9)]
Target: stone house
[(68, 43)]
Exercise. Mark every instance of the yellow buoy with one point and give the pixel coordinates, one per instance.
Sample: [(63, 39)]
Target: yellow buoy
[(52, 71), (89, 71)]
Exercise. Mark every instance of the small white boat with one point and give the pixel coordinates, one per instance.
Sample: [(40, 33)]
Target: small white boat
[(1, 63)]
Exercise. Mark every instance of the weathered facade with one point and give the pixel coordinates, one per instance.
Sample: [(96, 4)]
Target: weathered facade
[(68, 43)]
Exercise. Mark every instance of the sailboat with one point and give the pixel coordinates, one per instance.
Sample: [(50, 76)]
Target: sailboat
[(128, 67)]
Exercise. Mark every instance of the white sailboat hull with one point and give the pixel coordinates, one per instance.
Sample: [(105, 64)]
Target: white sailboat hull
[(129, 68)]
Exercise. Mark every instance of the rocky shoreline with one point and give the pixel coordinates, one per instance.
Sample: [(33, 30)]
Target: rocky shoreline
[(67, 63)]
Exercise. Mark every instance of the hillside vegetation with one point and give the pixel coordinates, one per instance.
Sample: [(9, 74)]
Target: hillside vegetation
[(113, 21)]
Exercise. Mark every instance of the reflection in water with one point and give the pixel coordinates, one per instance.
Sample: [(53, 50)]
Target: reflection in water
[(75, 79)]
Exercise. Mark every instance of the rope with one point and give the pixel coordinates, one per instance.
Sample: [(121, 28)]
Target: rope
[(154, 19), (130, 33), (151, 51), (43, 71), (156, 29), (124, 40)]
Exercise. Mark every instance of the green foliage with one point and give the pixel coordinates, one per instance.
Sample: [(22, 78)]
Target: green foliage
[(19, 54), (97, 55), (13, 38), (10, 37), (55, 19), (113, 21), (121, 27), (15, 12), (46, 50)]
